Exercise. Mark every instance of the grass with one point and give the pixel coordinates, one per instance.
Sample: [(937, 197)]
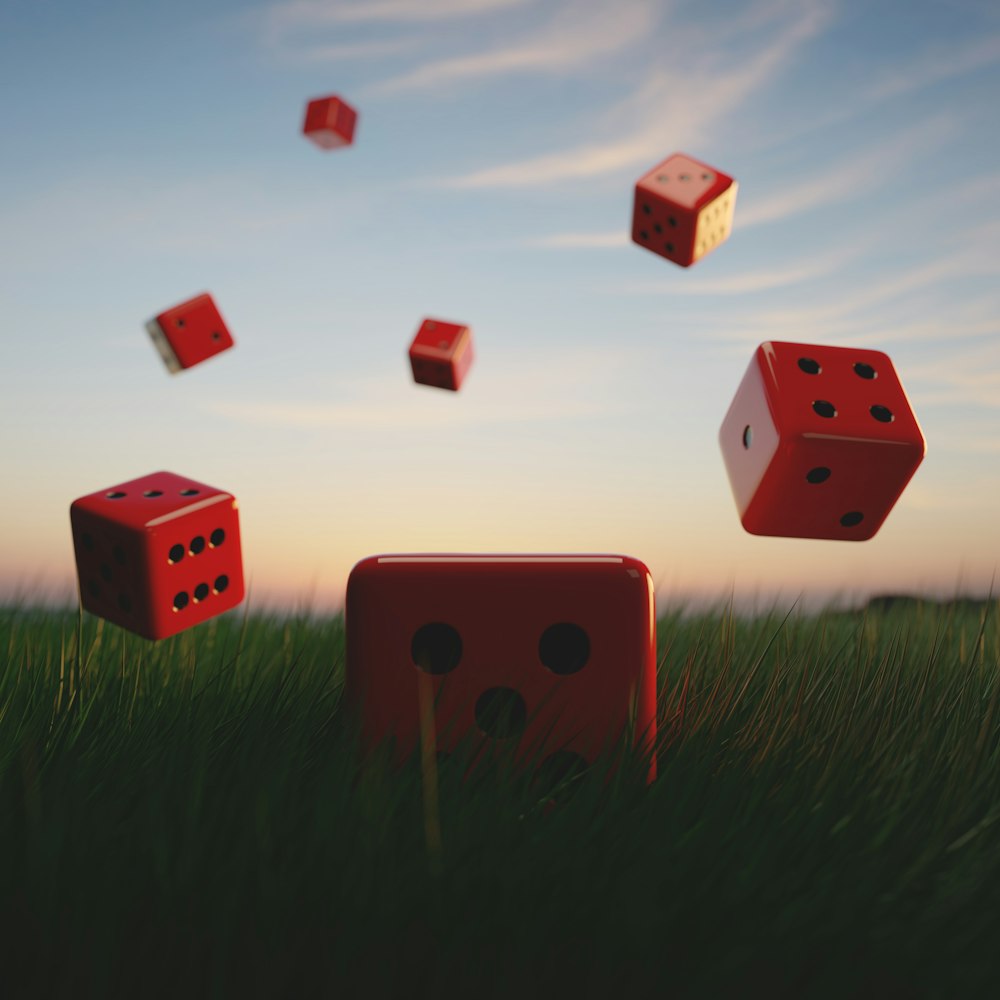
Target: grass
[(190, 819)]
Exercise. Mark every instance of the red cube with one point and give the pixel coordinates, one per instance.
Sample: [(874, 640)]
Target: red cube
[(158, 554), (819, 442), (189, 333), (330, 122), (441, 354), (553, 655), (683, 209)]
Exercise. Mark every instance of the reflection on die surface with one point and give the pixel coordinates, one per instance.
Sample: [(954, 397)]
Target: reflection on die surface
[(555, 653), (158, 554), (819, 442), (189, 333), (683, 209), (330, 122), (441, 354)]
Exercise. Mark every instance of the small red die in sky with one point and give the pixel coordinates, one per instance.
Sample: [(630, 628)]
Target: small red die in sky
[(158, 554), (683, 209), (441, 354), (189, 333), (330, 122), (819, 442), (552, 655)]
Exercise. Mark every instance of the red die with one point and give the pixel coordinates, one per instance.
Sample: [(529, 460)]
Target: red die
[(683, 209), (819, 442), (330, 122), (556, 651), (441, 354), (158, 554), (189, 333)]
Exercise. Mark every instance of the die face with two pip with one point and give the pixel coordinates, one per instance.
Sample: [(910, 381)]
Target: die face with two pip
[(554, 656), (441, 354), (158, 554), (189, 333), (330, 122), (683, 209), (819, 442)]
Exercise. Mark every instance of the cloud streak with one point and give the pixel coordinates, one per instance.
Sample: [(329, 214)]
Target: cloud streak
[(685, 102)]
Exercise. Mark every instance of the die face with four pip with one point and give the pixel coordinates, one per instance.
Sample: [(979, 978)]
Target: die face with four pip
[(189, 333), (819, 442), (441, 354), (329, 122), (158, 554), (554, 653), (683, 209)]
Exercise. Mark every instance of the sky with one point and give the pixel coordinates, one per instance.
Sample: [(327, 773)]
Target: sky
[(153, 151)]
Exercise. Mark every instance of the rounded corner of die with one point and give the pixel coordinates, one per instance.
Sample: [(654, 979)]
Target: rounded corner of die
[(362, 570)]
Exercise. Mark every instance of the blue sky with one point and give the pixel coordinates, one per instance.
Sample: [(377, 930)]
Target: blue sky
[(152, 152)]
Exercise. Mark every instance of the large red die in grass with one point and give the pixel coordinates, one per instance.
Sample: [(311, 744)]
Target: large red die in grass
[(158, 554), (683, 209), (552, 655), (441, 354), (819, 442), (330, 122), (189, 333)]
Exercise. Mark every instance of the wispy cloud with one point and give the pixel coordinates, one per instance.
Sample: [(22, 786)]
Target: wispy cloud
[(574, 38), (745, 283), (582, 241), (557, 387), (853, 177), (935, 65), (684, 103), (299, 14), (355, 50)]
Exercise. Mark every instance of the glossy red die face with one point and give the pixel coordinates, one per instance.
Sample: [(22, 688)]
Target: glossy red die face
[(553, 655), (158, 554), (189, 333), (441, 354), (819, 442), (330, 122), (683, 209)]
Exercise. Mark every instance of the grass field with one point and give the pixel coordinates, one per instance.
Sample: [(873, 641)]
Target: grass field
[(189, 819)]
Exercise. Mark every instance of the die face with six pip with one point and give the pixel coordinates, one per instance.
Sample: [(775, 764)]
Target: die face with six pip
[(819, 442), (554, 653), (330, 122), (158, 554), (441, 354), (189, 333), (683, 209)]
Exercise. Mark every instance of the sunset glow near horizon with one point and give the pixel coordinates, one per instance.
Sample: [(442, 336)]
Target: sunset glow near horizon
[(155, 153)]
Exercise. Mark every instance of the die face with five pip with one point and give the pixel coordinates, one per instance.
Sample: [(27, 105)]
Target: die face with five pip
[(683, 209), (441, 354), (819, 442), (555, 654), (330, 122), (189, 333), (158, 554)]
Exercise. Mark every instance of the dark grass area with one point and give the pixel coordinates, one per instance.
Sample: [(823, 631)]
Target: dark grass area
[(190, 819)]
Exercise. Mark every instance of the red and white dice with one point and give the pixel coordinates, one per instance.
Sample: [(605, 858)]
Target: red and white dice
[(441, 354), (189, 333), (683, 209), (330, 122), (158, 554), (819, 442), (553, 655)]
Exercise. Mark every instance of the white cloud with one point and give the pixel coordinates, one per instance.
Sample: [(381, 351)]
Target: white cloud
[(936, 65), (580, 241), (355, 50), (853, 177), (317, 13), (573, 39), (675, 106), (558, 386)]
